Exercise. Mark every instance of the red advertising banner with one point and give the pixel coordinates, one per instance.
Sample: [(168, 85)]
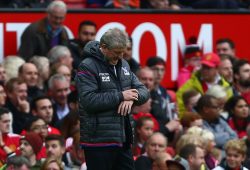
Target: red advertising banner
[(161, 34)]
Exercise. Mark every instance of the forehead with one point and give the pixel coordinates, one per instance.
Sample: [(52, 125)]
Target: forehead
[(42, 102), (53, 142), (147, 73), (245, 67), (158, 139), (88, 28), (5, 116), (39, 122), (223, 45), (57, 84), (29, 67)]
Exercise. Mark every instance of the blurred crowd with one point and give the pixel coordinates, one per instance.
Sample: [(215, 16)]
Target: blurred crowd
[(133, 4), (204, 124)]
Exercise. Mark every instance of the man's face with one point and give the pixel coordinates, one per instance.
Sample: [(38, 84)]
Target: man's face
[(226, 70), (5, 123), (64, 70), (60, 91), (87, 33), (2, 96), (19, 93), (198, 159), (128, 51), (159, 71), (114, 55), (44, 110), (212, 111), (224, 48), (56, 17), (30, 74), (208, 74), (54, 149), (234, 158), (26, 149), (147, 78), (40, 127), (244, 75), (67, 60), (156, 144), (159, 4)]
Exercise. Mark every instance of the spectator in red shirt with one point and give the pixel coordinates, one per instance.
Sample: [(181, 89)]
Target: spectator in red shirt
[(8, 142), (238, 110)]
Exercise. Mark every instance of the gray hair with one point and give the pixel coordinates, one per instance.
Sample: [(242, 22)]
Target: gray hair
[(57, 52), (114, 38), (217, 91), (17, 161), (56, 77), (54, 4)]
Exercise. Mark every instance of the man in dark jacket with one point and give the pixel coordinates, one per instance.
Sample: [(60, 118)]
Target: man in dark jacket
[(107, 90), (39, 37)]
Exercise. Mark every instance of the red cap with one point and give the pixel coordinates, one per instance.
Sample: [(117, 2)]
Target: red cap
[(210, 60)]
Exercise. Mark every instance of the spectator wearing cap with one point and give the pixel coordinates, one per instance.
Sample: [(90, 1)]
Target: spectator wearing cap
[(30, 145), (204, 79), (161, 100), (192, 56)]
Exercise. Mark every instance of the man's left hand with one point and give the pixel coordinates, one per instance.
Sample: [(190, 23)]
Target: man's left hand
[(125, 107)]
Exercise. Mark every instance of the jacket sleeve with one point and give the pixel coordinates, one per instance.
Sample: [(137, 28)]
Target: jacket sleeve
[(143, 91), (28, 44), (90, 97)]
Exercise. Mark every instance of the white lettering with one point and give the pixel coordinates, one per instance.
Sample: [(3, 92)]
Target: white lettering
[(108, 26), (161, 45), (18, 28), (178, 40)]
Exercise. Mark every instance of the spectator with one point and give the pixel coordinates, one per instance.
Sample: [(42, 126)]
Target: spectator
[(161, 101), (86, 32), (190, 99), (106, 86), (191, 119), (146, 76), (59, 90), (203, 79), (160, 4), (125, 4), (226, 68), (235, 155), (30, 146), (143, 130), (42, 65), (60, 55), (210, 4), (29, 73), (17, 102), (55, 148), (192, 63), (225, 46), (156, 143), (42, 108), (160, 162), (32, 3), (239, 117), (63, 70), (11, 65), (52, 163), (39, 37), (241, 84), (8, 142), (247, 142), (17, 162), (194, 155), (209, 108), (134, 65)]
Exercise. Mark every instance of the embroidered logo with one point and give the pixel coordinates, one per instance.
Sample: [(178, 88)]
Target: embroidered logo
[(105, 77), (126, 72)]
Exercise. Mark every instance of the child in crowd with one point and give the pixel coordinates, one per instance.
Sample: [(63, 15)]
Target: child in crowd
[(144, 129), (235, 155)]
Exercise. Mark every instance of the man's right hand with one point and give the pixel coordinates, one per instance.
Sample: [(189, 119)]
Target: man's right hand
[(131, 94)]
